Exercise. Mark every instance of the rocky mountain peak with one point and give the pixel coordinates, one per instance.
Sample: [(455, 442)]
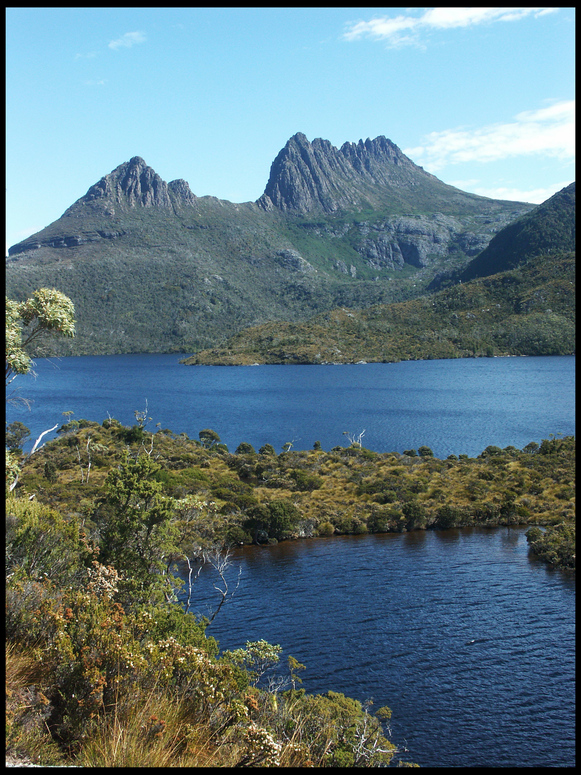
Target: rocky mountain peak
[(181, 193), (134, 184), (308, 177)]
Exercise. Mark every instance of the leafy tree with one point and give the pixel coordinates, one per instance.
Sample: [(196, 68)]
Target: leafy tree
[(415, 515), (46, 312), (209, 439), (137, 533), (275, 520), (284, 516), (425, 452), (50, 471), (16, 434), (244, 449), (257, 658)]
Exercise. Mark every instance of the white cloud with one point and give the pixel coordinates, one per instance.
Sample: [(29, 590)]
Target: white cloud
[(128, 40), (549, 131), (405, 30), (533, 195)]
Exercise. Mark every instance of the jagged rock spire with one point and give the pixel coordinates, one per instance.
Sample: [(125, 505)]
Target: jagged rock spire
[(307, 176), (134, 184)]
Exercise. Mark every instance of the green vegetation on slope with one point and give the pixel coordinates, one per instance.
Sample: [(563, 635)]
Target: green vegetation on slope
[(261, 496), (149, 273), (549, 228), (104, 669), (529, 310)]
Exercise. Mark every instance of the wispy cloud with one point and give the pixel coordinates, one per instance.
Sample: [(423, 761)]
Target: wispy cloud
[(533, 195), (549, 131), (406, 30), (128, 40), (96, 82)]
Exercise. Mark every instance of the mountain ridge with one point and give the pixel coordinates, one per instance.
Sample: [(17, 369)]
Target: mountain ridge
[(170, 271), (522, 302)]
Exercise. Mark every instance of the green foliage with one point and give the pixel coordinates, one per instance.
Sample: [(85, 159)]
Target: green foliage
[(424, 451), (245, 449), (90, 585), (16, 434), (547, 229), (555, 545), (258, 658), (529, 310), (276, 520), (43, 544), (46, 312), (186, 278), (306, 482), (137, 534)]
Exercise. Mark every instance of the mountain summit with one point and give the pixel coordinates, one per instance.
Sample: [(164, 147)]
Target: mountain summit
[(310, 177), (151, 267), (134, 184)]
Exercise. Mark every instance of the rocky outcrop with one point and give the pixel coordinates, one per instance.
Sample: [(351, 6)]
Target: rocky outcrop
[(134, 184), (180, 193), (312, 177), (66, 241), (172, 271), (292, 259)]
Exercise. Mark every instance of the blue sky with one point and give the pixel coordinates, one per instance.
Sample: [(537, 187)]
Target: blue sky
[(480, 97)]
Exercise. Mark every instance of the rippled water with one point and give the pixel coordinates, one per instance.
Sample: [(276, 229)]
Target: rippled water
[(453, 406), (467, 640)]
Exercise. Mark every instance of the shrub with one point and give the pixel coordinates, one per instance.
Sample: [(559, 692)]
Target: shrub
[(244, 449), (325, 529), (304, 481), (42, 544)]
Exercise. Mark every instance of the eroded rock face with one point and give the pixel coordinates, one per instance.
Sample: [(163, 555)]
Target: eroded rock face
[(134, 184), (292, 259), (180, 193), (312, 177)]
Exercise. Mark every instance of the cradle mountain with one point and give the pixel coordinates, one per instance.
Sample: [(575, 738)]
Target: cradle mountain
[(151, 267)]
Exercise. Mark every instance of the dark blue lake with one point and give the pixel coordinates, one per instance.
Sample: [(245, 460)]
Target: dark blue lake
[(468, 640), (453, 406)]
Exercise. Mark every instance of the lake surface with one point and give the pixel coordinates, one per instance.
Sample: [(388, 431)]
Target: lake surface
[(466, 639), (452, 406)]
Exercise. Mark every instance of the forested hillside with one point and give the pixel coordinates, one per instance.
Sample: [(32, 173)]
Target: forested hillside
[(529, 310)]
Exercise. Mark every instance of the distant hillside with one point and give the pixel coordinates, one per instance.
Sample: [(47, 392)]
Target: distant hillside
[(151, 267), (529, 310), (549, 228)]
